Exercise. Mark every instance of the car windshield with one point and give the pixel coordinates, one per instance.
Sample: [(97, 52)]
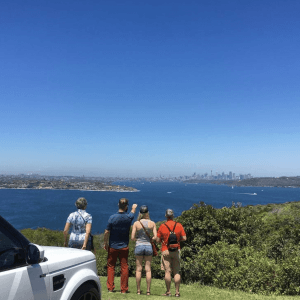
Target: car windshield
[(5, 242), (12, 234)]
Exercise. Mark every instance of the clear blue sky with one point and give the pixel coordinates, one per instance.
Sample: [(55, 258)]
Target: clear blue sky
[(142, 88)]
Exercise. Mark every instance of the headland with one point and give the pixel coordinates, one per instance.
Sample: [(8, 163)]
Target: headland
[(60, 183), (283, 182)]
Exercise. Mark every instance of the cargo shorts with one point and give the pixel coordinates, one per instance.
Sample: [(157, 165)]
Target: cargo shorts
[(170, 261)]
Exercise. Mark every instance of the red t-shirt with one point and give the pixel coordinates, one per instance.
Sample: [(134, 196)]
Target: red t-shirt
[(163, 233)]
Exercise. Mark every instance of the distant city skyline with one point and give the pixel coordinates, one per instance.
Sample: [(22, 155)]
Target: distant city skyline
[(132, 174), (150, 88), (208, 176)]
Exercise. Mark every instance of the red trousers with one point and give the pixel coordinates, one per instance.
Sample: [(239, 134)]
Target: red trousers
[(112, 257)]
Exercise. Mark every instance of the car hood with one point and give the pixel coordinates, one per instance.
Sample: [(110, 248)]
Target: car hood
[(60, 258)]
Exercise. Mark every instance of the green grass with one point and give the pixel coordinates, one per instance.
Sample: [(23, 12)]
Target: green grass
[(188, 292)]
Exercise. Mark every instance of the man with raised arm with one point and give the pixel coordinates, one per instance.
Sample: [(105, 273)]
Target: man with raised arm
[(170, 234), (116, 239)]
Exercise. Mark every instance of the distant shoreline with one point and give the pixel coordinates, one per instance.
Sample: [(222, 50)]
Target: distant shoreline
[(282, 182), (48, 183), (83, 190)]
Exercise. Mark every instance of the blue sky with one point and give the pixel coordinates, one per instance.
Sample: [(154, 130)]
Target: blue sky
[(143, 88)]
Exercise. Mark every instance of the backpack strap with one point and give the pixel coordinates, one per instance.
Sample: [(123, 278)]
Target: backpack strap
[(171, 231), (174, 227), (84, 222), (169, 227), (82, 218)]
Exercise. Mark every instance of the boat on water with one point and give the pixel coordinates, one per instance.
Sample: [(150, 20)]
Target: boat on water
[(252, 194)]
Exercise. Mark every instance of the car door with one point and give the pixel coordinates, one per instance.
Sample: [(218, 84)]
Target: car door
[(18, 279)]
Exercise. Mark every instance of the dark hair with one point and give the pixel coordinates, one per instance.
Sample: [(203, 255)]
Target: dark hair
[(144, 209), (123, 202)]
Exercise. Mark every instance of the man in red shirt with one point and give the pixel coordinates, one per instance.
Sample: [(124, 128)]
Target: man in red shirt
[(170, 248)]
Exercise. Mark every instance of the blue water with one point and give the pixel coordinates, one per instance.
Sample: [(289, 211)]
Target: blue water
[(50, 208)]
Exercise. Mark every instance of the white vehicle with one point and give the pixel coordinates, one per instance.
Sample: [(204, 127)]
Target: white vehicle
[(33, 272)]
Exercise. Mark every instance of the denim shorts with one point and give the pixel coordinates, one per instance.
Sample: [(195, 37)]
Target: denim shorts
[(143, 250)]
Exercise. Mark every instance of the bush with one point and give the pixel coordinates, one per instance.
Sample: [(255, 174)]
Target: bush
[(247, 248), (205, 225), (44, 236)]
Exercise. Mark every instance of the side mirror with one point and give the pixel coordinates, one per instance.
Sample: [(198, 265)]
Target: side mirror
[(34, 254)]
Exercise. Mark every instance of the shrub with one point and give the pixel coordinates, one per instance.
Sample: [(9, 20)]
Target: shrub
[(251, 248), (44, 236)]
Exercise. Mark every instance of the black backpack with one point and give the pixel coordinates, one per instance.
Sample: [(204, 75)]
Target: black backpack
[(172, 240)]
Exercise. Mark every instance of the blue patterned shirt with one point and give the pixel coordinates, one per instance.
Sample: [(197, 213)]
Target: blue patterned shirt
[(78, 219)]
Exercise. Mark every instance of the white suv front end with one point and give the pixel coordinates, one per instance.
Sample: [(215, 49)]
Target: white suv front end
[(29, 271)]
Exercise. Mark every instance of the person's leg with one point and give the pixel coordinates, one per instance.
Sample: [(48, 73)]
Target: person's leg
[(168, 279), (167, 267), (177, 283), (123, 255), (148, 260), (175, 266), (111, 262), (138, 272)]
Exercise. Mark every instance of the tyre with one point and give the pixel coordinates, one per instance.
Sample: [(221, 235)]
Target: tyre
[(86, 292)]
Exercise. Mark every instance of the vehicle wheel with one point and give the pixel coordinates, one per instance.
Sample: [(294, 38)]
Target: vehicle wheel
[(86, 292)]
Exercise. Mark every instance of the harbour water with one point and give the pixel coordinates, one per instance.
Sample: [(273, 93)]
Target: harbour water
[(50, 208)]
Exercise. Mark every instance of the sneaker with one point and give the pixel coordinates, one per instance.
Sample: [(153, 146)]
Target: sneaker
[(126, 292), (111, 291)]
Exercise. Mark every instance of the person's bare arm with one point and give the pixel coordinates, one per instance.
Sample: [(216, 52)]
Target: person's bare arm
[(183, 238), (133, 232), (105, 239), (66, 232), (133, 209), (88, 228), (154, 238), (158, 239)]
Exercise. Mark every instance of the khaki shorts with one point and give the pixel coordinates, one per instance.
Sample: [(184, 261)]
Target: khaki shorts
[(170, 261)]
